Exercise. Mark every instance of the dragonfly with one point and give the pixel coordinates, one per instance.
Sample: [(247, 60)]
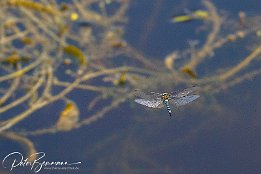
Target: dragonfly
[(159, 100)]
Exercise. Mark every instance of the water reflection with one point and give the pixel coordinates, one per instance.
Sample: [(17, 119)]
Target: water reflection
[(73, 96)]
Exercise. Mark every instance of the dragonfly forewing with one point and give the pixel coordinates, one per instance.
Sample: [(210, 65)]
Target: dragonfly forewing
[(185, 92), (185, 100), (150, 96)]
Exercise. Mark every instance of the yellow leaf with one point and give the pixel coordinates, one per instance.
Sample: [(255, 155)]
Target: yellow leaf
[(122, 79), (198, 14), (201, 14), (182, 18), (69, 116), (18, 73), (75, 52), (14, 59), (27, 40), (118, 79), (188, 71)]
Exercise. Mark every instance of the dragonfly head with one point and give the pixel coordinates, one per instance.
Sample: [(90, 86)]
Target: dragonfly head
[(165, 96)]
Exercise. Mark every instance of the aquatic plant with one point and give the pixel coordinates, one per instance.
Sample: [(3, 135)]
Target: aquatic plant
[(50, 49)]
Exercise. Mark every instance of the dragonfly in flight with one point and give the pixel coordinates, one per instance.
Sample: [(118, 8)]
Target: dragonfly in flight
[(159, 100)]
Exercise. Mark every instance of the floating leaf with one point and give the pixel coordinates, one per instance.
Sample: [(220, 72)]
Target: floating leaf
[(188, 71), (68, 117), (75, 52), (122, 79), (198, 14), (201, 14), (117, 79), (181, 19)]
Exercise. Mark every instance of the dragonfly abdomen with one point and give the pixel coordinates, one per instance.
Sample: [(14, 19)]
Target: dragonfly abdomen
[(166, 103)]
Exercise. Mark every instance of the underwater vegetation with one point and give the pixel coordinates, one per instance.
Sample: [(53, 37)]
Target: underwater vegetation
[(51, 49)]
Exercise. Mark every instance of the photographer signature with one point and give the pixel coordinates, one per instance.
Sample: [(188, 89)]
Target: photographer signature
[(18, 160)]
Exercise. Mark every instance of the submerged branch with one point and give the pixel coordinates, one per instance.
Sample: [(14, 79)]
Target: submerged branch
[(231, 72), (208, 47)]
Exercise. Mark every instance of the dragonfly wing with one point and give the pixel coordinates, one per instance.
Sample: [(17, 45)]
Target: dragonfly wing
[(185, 100), (150, 103), (151, 96), (185, 92)]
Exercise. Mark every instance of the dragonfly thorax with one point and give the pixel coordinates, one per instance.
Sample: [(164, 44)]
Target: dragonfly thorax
[(165, 96)]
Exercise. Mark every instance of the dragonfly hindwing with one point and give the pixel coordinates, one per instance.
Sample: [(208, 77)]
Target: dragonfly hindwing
[(150, 103)]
